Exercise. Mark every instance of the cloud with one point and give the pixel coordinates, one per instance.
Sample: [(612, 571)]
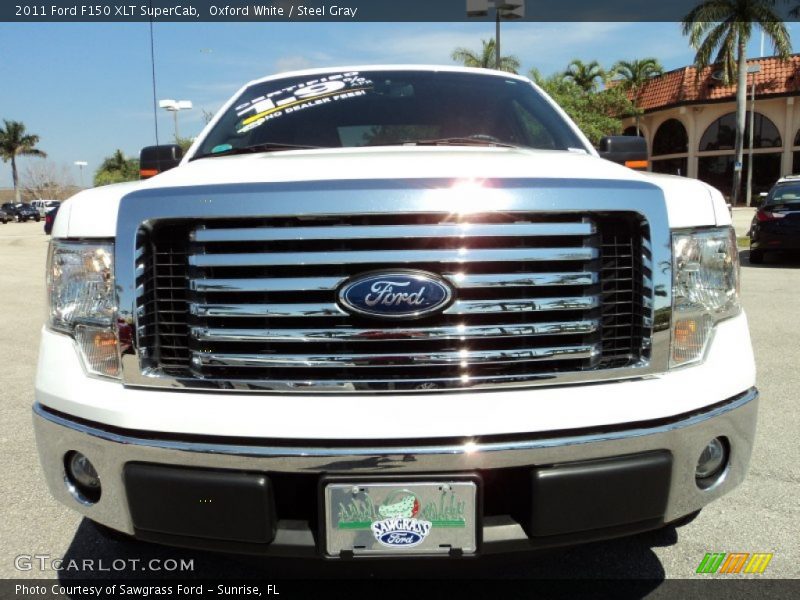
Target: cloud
[(293, 63), (546, 46), (216, 88), (526, 40)]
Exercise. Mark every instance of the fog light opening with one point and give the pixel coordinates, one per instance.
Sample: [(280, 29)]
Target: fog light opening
[(81, 478), (712, 463)]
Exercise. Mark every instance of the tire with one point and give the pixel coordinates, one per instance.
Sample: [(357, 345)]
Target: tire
[(37, 218), (756, 257)]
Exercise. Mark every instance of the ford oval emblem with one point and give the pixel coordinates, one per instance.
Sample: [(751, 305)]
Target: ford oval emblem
[(402, 532), (409, 539), (395, 294)]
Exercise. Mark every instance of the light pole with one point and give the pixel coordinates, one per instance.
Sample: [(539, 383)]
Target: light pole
[(503, 9), (752, 69), (175, 106), (80, 164)]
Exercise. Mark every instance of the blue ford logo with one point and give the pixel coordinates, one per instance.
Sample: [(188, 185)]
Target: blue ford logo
[(408, 539), (401, 531), (395, 294)]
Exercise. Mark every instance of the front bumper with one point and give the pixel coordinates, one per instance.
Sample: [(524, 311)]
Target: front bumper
[(294, 470)]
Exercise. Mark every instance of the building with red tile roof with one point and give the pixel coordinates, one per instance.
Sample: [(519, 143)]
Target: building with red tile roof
[(689, 122)]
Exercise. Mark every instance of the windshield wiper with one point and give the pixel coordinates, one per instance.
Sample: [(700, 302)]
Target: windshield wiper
[(477, 140), (262, 147)]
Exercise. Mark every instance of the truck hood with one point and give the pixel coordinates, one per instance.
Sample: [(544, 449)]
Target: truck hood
[(92, 213)]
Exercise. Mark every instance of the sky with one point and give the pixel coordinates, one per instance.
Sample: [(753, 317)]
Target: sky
[(86, 88)]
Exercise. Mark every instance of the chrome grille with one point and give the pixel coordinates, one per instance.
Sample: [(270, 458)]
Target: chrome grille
[(538, 295)]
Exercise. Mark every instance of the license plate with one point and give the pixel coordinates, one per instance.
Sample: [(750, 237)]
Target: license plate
[(400, 518)]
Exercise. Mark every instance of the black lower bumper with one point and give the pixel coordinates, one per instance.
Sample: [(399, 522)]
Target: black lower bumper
[(553, 505), (776, 239)]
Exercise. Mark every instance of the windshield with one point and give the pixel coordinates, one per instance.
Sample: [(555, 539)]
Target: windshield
[(784, 196), (377, 108)]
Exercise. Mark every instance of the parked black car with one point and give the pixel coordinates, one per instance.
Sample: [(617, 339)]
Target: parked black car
[(50, 218), (776, 224), (21, 212)]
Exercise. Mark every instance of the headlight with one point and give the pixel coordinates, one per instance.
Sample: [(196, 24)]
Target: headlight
[(80, 287), (705, 291)]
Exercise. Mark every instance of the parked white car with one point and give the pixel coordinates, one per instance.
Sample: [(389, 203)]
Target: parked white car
[(390, 311), (44, 206)]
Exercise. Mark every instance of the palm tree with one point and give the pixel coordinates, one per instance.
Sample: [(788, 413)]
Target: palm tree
[(584, 75), (15, 142), (116, 168), (485, 58), (115, 162), (720, 29), (633, 75)]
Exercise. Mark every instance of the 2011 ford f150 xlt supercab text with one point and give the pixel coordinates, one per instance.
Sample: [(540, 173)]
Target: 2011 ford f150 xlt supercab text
[(393, 311)]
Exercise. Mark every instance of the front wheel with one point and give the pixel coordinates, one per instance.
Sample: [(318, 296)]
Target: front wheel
[(756, 257)]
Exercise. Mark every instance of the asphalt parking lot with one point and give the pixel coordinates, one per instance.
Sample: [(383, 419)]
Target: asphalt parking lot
[(760, 516)]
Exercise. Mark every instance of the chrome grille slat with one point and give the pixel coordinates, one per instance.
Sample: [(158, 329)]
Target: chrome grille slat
[(460, 307), (321, 309), (462, 280), (412, 333), (501, 305), (520, 279), (351, 232), (276, 284), (259, 259), (399, 359)]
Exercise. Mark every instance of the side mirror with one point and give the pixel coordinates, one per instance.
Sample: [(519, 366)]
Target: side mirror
[(627, 150), (157, 159)]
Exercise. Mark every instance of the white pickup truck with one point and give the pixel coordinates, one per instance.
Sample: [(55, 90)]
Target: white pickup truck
[(393, 311)]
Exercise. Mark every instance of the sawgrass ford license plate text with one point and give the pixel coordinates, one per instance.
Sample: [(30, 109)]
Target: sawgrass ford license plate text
[(396, 518)]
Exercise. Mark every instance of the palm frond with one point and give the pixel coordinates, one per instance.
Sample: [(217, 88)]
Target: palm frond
[(466, 57)]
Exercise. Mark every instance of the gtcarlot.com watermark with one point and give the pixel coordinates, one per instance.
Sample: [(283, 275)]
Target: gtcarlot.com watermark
[(46, 562)]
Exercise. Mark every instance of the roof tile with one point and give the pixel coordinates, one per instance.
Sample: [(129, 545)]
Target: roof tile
[(682, 85)]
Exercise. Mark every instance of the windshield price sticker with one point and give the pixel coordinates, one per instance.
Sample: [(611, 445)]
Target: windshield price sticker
[(315, 92)]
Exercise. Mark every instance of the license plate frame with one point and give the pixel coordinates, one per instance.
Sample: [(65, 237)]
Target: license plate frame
[(438, 524)]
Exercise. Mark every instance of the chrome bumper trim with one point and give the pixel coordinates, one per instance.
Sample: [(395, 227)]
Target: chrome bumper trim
[(685, 437), (465, 449)]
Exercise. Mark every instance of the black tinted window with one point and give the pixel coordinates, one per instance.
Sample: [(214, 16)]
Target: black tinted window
[(341, 109), (784, 194)]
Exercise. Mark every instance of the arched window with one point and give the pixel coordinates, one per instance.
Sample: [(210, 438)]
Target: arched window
[(721, 134), (796, 154), (670, 138), (631, 131)]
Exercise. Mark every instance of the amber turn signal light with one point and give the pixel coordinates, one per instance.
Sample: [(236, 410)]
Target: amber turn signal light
[(636, 164)]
